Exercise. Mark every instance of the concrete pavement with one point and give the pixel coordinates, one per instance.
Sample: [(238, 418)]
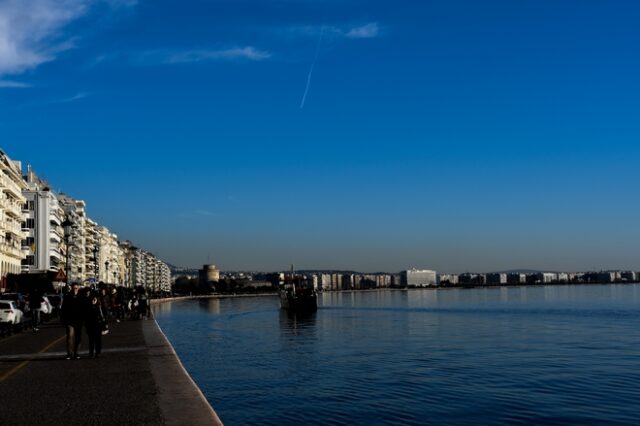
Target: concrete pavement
[(138, 380)]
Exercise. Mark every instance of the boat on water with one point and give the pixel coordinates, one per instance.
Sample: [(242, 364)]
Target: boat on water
[(297, 294)]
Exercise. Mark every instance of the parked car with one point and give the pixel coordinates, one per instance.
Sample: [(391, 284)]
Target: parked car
[(9, 312), (18, 299), (55, 301)]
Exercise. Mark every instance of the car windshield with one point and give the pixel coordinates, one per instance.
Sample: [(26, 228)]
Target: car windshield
[(5, 305)]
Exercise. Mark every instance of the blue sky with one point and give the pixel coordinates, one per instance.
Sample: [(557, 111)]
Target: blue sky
[(457, 135)]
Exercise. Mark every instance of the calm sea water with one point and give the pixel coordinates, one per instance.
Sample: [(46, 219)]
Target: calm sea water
[(526, 355)]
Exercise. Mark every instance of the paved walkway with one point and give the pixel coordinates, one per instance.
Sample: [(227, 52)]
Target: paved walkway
[(138, 380)]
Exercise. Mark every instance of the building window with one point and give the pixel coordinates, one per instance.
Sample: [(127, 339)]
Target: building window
[(29, 261), (31, 223)]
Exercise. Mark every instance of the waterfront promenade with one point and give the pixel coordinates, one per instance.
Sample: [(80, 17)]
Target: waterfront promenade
[(138, 380)]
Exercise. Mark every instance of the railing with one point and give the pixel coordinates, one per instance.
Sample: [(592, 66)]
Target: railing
[(10, 186), (11, 250), (14, 227), (12, 207)]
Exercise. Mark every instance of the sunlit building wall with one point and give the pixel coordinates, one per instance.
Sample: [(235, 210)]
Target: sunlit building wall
[(12, 220)]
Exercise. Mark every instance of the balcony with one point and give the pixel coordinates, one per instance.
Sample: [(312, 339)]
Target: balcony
[(15, 228), (55, 238), (11, 207), (11, 250), (12, 188)]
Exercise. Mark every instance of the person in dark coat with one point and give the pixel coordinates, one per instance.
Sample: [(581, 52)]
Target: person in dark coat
[(35, 304), (71, 316), (94, 321)]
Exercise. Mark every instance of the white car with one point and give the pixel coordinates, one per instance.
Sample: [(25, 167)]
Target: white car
[(9, 313)]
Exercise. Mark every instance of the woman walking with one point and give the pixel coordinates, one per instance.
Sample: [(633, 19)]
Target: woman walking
[(94, 321)]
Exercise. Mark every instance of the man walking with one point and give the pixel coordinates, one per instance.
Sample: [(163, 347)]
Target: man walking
[(71, 316)]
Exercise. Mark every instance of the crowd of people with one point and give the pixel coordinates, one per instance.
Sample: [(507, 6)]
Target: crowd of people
[(93, 308)]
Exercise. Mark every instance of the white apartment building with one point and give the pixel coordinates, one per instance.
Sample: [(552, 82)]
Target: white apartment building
[(451, 279), (43, 244), (12, 218), (324, 281), (111, 257), (75, 211), (128, 253), (418, 278), (547, 277)]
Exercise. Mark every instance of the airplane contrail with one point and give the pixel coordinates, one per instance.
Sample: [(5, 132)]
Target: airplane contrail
[(313, 64)]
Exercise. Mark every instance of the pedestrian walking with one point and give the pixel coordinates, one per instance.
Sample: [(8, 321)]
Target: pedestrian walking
[(35, 305), (71, 316), (95, 322), (142, 304), (105, 302)]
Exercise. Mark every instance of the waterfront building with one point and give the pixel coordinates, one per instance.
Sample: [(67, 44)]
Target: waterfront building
[(75, 211), (383, 281), (164, 276), (147, 271), (471, 279), (563, 277), (628, 276), (209, 274), (545, 277), (138, 269), (368, 281), (447, 279), (357, 280), (336, 282), (127, 250), (418, 278), (43, 244), (606, 277), (12, 221), (111, 263), (324, 281), (496, 279), (347, 282), (396, 280), (516, 278)]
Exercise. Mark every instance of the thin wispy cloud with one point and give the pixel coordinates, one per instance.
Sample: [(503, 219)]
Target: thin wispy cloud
[(32, 31), (76, 97), (13, 84), (370, 30), (247, 53)]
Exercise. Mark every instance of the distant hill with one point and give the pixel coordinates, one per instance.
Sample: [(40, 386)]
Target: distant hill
[(178, 270), (521, 271)]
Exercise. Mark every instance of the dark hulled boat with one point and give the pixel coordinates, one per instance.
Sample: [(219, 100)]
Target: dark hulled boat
[(297, 295)]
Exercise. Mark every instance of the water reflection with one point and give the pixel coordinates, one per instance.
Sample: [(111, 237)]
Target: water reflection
[(296, 323), (211, 306), (439, 356)]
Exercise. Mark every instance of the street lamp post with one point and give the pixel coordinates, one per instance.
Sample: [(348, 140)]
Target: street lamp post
[(106, 270), (67, 225), (96, 263), (127, 280)]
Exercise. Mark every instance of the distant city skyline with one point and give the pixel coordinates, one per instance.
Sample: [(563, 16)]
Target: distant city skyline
[(336, 135)]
